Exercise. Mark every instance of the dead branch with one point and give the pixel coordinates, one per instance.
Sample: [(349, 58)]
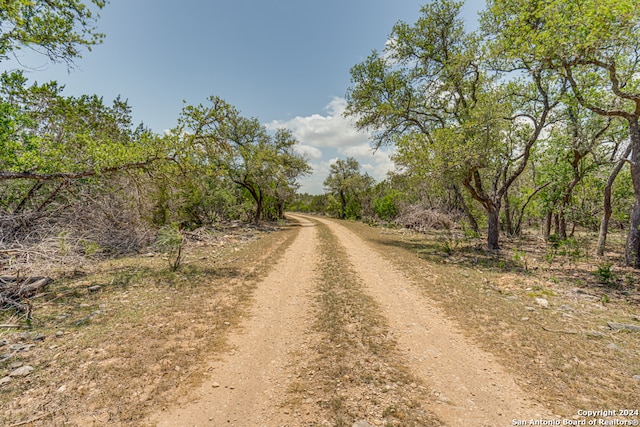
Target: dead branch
[(15, 292)]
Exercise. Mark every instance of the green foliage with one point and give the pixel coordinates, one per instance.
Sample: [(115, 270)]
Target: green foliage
[(170, 241), (590, 46), (520, 258), (387, 207), (55, 28), (452, 115), (216, 141), (349, 187), (604, 274)]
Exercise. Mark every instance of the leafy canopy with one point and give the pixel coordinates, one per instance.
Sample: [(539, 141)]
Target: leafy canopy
[(58, 29)]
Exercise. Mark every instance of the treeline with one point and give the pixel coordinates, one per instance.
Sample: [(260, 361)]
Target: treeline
[(78, 165), (533, 118)]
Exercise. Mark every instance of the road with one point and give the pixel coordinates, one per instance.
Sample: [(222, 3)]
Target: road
[(251, 385)]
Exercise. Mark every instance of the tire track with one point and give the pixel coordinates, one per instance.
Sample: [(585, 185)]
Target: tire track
[(471, 388), (246, 386)]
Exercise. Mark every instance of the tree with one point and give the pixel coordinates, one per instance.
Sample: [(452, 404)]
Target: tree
[(346, 182), (432, 92), (288, 168), (58, 29), (47, 136), (216, 140), (595, 46)]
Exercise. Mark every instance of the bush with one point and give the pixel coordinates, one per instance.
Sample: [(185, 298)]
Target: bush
[(386, 207), (421, 219)]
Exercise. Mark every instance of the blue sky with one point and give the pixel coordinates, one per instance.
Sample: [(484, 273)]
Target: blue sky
[(285, 62)]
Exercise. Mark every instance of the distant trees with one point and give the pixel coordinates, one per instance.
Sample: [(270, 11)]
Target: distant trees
[(347, 185), (218, 144), (537, 108)]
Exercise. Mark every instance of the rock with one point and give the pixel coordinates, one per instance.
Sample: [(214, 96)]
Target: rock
[(38, 337), (542, 302), (22, 371), (530, 309), (612, 346), (215, 385), (59, 334), (21, 336), (94, 288), (20, 347), (361, 423), (15, 365), (635, 377), (4, 342), (7, 380), (595, 334), (565, 307), (623, 327)]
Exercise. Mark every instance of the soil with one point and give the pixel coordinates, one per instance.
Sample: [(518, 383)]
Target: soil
[(244, 385), (251, 384), (319, 322)]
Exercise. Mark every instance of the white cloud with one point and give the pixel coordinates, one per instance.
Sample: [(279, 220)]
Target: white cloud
[(322, 137), (308, 151), (330, 130)]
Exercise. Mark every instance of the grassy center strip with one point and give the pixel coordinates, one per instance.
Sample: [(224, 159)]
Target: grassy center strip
[(357, 369)]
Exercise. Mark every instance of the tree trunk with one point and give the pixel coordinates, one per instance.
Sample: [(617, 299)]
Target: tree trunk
[(632, 252), (467, 211), (604, 224), (508, 225), (343, 205), (256, 219), (562, 225), (547, 224), (281, 209), (493, 226)]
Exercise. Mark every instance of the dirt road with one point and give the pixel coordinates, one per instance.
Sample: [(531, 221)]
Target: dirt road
[(254, 383)]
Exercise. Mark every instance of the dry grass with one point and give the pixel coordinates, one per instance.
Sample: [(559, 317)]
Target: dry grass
[(355, 370), (564, 354), (139, 342)]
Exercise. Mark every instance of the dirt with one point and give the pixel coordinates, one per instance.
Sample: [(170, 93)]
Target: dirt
[(251, 384), (246, 385), (319, 322)]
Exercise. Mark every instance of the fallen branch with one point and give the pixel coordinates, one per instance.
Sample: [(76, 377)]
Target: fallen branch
[(623, 327), (32, 420), (15, 292), (558, 331)]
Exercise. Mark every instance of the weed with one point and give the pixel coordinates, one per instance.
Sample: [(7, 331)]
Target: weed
[(171, 242), (630, 279), (604, 275), (90, 248), (520, 258), (549, 256)]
